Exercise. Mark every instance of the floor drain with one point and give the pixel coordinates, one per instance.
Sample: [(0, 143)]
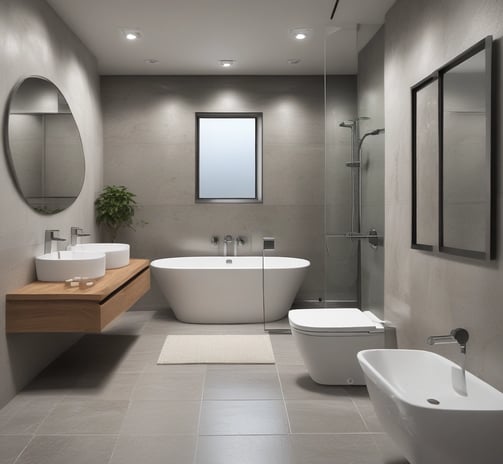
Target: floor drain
[(433, 401)]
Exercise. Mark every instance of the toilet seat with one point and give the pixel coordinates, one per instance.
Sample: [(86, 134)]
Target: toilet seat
[(344, 321)]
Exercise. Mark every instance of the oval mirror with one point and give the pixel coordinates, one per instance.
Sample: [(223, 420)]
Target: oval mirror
[(43, 146)]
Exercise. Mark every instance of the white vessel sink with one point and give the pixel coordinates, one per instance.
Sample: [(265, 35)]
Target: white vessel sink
[(434, 411), (61, 265), (116, 254)]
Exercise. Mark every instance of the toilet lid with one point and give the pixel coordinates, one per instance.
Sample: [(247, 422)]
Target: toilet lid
[(332, 320)]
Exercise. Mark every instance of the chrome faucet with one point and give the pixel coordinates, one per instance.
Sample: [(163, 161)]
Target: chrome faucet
[(458, 335), (50, 236), (239, 240), (75, 233), (227, 239)]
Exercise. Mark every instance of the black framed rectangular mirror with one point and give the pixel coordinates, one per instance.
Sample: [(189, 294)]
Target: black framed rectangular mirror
[(466, 199), (425, 131)]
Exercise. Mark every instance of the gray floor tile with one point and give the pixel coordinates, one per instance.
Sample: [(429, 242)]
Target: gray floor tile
[(171, 383), (360, 397), (282, 324), (161, 418), (136, 362), (389, 452), (243, 418), (285, 350), (297, 385), (334, 449), (244, 450), (324, 416), (159, 449), (109, 384), (164, 322), (54, 383), (68, 449), (24, 413), (83, 416), (115, 386), (130, 323), (148, 344), (367, 411), (238, 382), (11, 447)]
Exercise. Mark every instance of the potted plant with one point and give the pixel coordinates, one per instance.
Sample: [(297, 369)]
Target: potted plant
[(115, 208)]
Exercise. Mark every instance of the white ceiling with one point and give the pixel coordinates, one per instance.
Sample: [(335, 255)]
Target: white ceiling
[(191, 36)]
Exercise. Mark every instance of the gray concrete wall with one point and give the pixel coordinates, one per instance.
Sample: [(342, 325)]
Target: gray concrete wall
[(427, 293), (35, 41), (371, 105), (149, 126)]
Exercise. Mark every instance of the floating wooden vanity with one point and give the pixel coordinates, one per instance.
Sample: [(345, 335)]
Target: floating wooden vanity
[(52, 307)]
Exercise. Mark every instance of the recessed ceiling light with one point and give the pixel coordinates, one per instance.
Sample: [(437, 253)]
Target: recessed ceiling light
[(294, 61), (300, 33), (131, 34), (151, 61), (226, 63)]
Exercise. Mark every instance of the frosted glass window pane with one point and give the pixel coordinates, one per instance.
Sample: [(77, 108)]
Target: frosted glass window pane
[(227, 158)]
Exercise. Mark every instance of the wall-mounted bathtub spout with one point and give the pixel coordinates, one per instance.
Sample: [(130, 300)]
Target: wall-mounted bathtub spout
[(459, 336), (227, 240)]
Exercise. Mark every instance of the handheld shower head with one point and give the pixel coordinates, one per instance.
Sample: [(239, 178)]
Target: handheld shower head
[(374, 132)]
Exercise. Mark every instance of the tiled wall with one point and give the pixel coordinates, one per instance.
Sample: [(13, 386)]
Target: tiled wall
[(427, 293), (149, 127), (36, 42)]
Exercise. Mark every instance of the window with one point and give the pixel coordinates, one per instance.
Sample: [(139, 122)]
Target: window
[(229, 157)]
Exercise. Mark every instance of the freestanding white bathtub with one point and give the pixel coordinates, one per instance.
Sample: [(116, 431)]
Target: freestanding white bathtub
[(228, 290)]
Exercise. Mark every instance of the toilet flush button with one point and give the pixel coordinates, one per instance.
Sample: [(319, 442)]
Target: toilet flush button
[(350, 381)]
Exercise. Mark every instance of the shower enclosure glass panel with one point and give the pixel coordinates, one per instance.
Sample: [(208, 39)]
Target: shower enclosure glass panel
[(341, 254), (354, 177), (371, 104)]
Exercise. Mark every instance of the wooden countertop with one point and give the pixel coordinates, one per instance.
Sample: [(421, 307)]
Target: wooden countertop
[(103, 287), (51, 307)]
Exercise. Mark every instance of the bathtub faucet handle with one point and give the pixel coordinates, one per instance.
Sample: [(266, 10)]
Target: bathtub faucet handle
[(214, 240), (228, 239), (461, 336), (240, 240)]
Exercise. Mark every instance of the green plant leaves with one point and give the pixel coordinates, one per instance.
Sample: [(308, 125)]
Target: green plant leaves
[(115, 208)]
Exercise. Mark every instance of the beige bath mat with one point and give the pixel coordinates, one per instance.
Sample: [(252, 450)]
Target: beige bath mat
[(217, 349)]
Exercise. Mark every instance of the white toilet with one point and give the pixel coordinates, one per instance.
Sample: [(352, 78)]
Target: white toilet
[(329, 339)]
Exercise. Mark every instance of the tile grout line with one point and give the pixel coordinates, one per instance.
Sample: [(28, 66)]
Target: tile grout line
[(123, 418), (283, 395), (196, 444), (360, 414), (48, 414), (23, 450)]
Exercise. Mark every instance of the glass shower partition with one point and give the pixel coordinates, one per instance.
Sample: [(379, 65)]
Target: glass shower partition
[(354, 174)]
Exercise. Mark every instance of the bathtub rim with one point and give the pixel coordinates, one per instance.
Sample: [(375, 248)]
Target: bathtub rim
[(301, 263)]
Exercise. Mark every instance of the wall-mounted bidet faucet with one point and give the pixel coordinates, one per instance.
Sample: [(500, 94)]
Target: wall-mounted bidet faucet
[(459, 336), (49, 237), (75, 233)]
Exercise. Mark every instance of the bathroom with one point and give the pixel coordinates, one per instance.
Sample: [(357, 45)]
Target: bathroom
[(137, 130)]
